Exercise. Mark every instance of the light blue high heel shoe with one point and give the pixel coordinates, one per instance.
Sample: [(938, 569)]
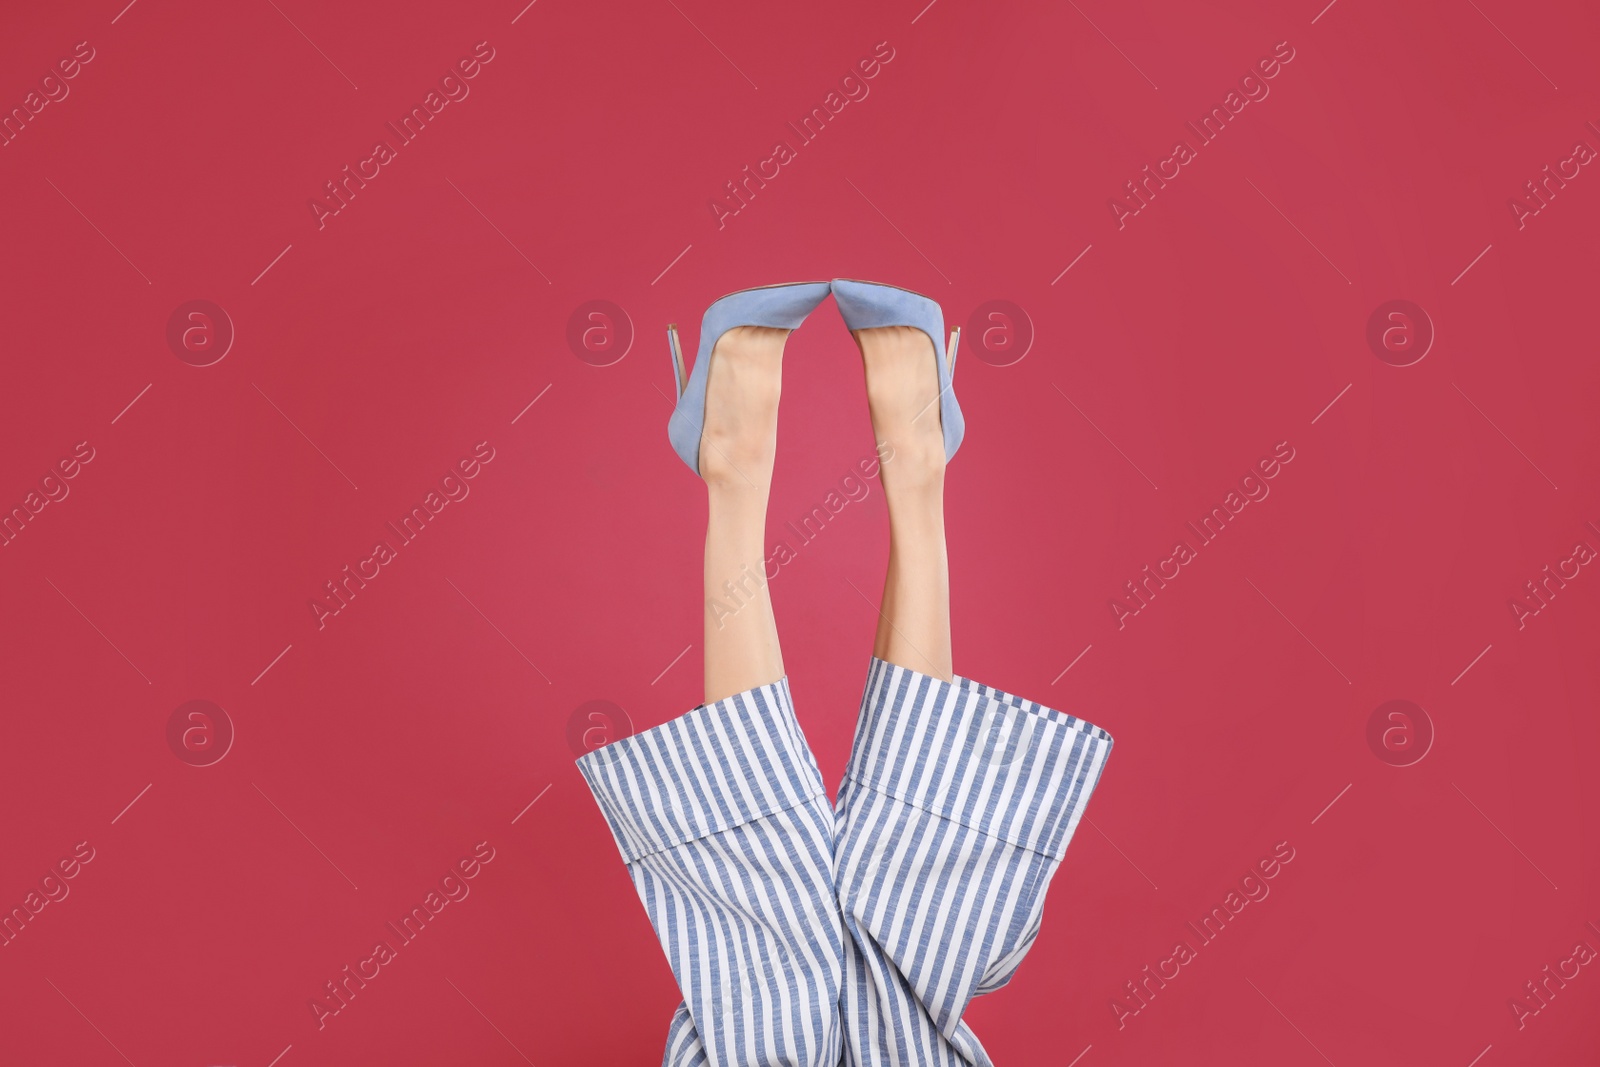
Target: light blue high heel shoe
[(865, 305), (780, 306)]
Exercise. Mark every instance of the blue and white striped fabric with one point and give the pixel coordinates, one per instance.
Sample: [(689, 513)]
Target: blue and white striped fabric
[(724, 823), (957, 806), (801, 935)]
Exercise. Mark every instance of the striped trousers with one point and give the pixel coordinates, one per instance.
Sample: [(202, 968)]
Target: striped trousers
[(804, 934)]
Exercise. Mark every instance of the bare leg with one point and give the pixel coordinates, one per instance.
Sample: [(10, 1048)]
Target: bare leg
[(736, 458), (902, 391)]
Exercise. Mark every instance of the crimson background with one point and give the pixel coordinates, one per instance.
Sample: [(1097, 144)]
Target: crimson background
[(375, 351)]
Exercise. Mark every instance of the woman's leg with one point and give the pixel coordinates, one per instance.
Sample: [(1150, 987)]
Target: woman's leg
[(737, 449), (958, 800), (720, 813), (902, 395)]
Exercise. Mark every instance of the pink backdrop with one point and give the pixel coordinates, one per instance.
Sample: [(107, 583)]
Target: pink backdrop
[(1125, 369)]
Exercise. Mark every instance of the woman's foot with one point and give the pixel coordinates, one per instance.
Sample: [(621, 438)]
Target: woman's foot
[(740, 438), (903, 397)]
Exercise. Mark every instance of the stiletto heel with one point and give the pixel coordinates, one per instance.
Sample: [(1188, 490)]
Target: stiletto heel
[(866, 305), (679, 378), (778, 306)]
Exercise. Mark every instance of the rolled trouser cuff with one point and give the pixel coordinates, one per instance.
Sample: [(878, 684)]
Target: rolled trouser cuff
[(990, 760), (711, 769), (727, 834)]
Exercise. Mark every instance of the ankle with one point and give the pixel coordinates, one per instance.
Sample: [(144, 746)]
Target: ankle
[(738, 467), (912, 460)]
